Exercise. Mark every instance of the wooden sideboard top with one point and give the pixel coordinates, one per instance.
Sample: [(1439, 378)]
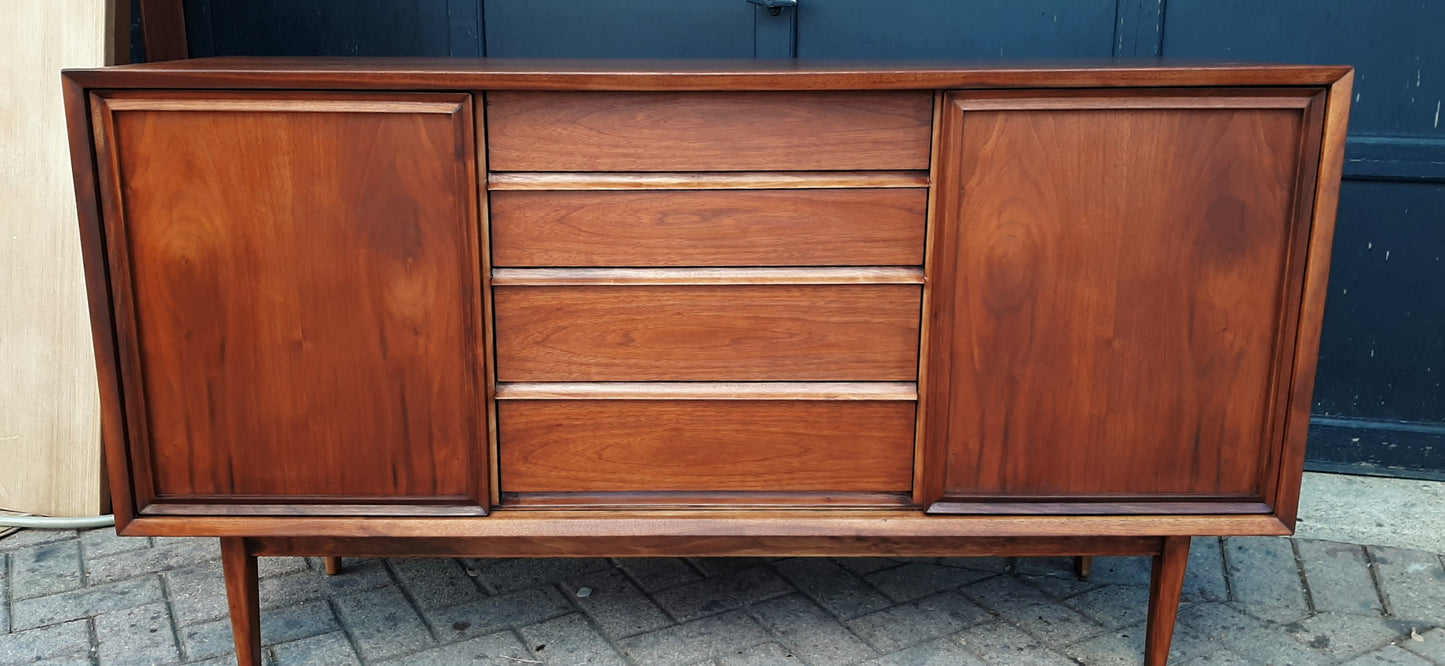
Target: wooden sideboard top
[(690, 74)]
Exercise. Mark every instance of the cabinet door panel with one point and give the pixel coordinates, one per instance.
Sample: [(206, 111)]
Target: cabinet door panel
[(299, 299), (1119, 280)]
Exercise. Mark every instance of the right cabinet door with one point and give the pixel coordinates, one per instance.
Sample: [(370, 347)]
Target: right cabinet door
[(1115, 286)]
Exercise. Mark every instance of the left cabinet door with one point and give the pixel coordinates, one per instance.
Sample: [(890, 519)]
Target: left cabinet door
[(298, 301)]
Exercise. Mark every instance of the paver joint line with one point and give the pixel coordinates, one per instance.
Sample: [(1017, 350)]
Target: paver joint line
[(1374, 570), (1304, 582)]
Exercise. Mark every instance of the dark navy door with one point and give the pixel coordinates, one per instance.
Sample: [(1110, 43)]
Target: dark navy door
[(505, 28), (956, 29), (1379, 401)]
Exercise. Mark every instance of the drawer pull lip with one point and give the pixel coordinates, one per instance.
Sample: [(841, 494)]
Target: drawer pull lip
[(554, 277), (901, 391), (730, 180), (775, 7)]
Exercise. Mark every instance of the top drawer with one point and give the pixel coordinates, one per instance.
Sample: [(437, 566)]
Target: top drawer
[(708, 131)]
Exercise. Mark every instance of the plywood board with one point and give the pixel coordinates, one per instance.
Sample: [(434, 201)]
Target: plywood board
[(50, 459)]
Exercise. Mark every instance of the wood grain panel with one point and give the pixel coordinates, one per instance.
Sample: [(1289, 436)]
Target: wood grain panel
[(925, 482), (707, 333), (629, 524), (1117, 291), (871, 227), (758, 500), (299, 296), (713, 546), (705, 445), (720, 131), (163, 27), (1333, 124)]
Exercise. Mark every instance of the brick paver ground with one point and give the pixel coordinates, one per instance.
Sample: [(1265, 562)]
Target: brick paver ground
[(94, 598)]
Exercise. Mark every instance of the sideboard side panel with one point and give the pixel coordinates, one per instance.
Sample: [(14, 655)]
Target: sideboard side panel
[(299, 299), (1322, 208), (98, 294)]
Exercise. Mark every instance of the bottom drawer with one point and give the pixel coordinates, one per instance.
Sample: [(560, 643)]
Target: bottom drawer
[(701, 446)]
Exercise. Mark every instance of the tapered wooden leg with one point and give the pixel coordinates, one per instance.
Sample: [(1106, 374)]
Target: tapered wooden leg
[(1166, 583), (245, 599), (333, 566), (1083, 565)]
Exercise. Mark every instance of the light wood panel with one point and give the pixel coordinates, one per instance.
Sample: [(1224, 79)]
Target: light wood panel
[(722, 131), (865, 332), (581, 277), (49, 404), (705, 445), (702, 180), (864, 227), (709, 391)]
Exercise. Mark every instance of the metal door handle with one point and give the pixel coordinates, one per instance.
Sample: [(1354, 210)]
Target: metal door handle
[(774, 7)]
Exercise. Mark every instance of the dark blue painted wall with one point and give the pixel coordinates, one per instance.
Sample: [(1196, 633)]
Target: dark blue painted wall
[(954, 29), (1379, 400), (333, 28), (1379, 403), (576, 29)]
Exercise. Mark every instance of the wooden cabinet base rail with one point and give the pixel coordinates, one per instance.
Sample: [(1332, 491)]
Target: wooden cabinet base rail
[(509, 308), (747, 522), (690, 546)]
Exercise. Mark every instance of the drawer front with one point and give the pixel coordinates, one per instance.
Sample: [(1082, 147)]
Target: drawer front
[(708, 131), (708, 333), (867, 227), (705, 446)]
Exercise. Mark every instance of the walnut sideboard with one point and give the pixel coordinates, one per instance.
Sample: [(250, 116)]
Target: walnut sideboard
[(590, 308)]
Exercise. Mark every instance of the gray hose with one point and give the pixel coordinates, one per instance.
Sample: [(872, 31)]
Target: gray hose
[(47, 523)]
